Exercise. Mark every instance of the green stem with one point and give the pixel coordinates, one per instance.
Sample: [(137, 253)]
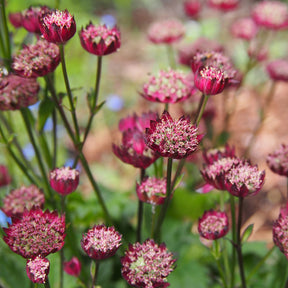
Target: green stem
[(94, 279), (47, 284), (217, 254), (54, 160), (69, 93), (201, 108), (234, 239), (171, 56), (62, 250), (140, 210)]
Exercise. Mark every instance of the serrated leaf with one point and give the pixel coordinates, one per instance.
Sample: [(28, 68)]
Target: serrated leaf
[(45, 110), (247, 233)]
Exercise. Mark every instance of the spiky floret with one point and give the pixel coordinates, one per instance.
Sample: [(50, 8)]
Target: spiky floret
[(173, 138), (147, 265), (37, 269), (36, 233), (278, 160), (212, 155), (101, 242)]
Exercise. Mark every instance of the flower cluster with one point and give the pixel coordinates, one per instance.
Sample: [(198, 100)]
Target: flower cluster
[(278, 160)]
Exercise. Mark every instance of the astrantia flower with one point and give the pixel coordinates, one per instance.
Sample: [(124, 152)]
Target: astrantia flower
[(57, 26), (224, 5), (278, 160), (36, 233), (169, 86), (5, 178), (73, 267), (213, 225), (244, 28), (213, 155), (133, 149), (36, 60), (172, 138), (280, 233), (278, 70), (271, 14), (37, 269), (100, 40), (152, 190), (18, 92), (101, 242), (64, 180), (166, 31), (21, 199), (214, 174), (192, 8), (16, 19), (30, 18), (244, 180), (147, 265)]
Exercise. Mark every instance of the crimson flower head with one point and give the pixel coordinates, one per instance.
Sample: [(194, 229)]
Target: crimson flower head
[(166, 31), (278, 70), (244, 28), (133, 149), (16, 19), (22, 199), (5, 178), (37, 269), (213, 225), (175, 139), (64, 180), (152, 190), (213, 155), (35, 233), (224, 5), (244, 180), (30, 18), (73, 267), (36, 60), (192, 8), (169, 86), (101, 242), (100, 40), (278, 160), (57, 26), (18, 92), (271, 15), (147, 265)]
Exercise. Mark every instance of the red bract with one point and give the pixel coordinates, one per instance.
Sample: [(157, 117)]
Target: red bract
[(280, 233), (192, 8), (101, 242), (271, 15), (244, 28), (278, 70), (100, 40), (147, 265), (36, 60), (64, 180), (18, 92), (172, 138), (224, 5), (213, 155), (213, 225), (278, 160), (73, 267), (35, 233), (37, 269), (166, 31), (244, 180), (57, 26), (5, 178), (169, 86)]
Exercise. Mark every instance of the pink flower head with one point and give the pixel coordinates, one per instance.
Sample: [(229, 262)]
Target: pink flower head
[(213, 225), (214, 174), (213, 155), (244, 28), (271, 15), (57, 26), (147, 265), (16, 19), (100, 40), (64, 180), (18, 92), (30, 18), (280, 233), (278, 160), (22, 199), (35, 233), (133, 149), (172, 138), (5, 178), (37, 269), (244, 180), (36, 60), (224, 5), (152, 190), (278, 70), (257, 54), (166, 31), (101, 242), (192, 8), (73, 267), (169, 86)]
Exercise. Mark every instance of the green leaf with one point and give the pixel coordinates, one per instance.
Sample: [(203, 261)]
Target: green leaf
[(45, 110), (98, 107), (247, 233)]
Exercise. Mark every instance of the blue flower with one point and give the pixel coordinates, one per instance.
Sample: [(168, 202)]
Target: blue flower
[(4, 220)]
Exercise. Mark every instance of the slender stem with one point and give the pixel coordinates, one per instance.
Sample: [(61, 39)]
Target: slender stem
[(140, 211), (171, 56), (94, 279), (47, 284), (69, 93), (54, 160), (217, 254), (201, 108), (234, 239), (62, 250), (239, 244)]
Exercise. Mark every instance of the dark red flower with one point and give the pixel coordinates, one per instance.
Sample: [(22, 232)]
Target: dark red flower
[(192, 8), (73, 267), (224, 5), (213, 155), (16, 19), (278, 160), (37, 269), (5, 178)]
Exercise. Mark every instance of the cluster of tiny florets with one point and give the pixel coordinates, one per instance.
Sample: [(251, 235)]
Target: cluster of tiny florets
[(37, 269), (278, 160)]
